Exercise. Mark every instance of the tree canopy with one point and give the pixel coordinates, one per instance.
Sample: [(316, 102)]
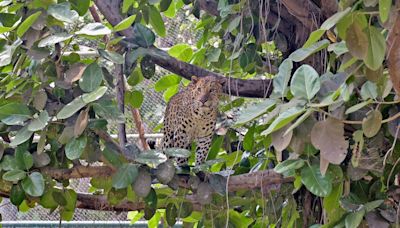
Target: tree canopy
[(313, 86)]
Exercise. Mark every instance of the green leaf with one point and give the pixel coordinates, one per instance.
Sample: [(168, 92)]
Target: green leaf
[(125, 176), (178, 152), (281, 80), (299, 121), (248, 140), (369, 90), (19, 112), (91, 78), (171, 91), (9, 163), (124, 24), (372, 205), (289, 165), (7, 52), (80, 6), (112, 56), (156, 21), (134, 98), (372, 123), (164, 5), (166, 82), (24, 159), (183, 52), (108, 110), (53, 39), (142, 36), (303, 53), (331, 202), (126, 4), (334, 19), (384, 9), (283, 119), (62, 12), (14, 175), (95, 95), (134, 216), (22, 136), (357, 106), (255, 110), (376, 48), (75, 147), (354, 219), (314, 37), (305, 82), (71, 108), (317, 184), (94, 29), (33, 184), (151, 158), (40, 122), (26, 24)]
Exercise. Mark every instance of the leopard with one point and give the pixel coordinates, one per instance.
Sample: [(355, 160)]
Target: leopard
[(191, 116)]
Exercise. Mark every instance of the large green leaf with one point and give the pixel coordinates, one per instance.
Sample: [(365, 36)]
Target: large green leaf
[(166, 82), (91, 78), (75, 147), (255, 110), (384, 9), (26, 24), (281, 80), (303, 53), (289, 165), (94, 29), (283, 119), (16, 111), (22, 136), (71, 108), (6, 53), (142, 36), (376, 48), (80, 6), (152, 157), (24, 159), (108, 110), (53, 39), (305, 82), (63, 12), (33, 184), (369, 90), (124, 24), (156, 21), (14, 175), (40, 122), (80, 102), (317, 184), (354, 219), (125, 176), (182, 52), (134, 98)]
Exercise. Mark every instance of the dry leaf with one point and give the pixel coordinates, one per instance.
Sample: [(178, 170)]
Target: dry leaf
[(372, 123), (393, 55), (39, 101), (81, 122), (328, 137), (323, 165), (357, 41), (74, 73), (279, 141)]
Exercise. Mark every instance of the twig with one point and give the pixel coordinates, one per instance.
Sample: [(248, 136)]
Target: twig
[(139, 127)]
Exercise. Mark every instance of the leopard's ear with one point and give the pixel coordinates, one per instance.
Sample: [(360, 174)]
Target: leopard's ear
[(195, 79), (222, 81)]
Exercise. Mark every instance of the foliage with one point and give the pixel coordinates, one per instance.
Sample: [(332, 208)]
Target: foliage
[(334, 131)]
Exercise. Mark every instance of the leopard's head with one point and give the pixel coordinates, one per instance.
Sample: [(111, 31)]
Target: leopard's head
[(205, 92)]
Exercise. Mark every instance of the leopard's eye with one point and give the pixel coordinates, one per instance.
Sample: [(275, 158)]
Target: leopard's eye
[(198, 89)]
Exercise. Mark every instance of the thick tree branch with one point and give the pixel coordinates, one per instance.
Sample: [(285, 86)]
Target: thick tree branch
[(236, 87), (235, 183)]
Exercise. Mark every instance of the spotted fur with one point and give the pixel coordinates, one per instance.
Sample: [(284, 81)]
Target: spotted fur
[(191, 116)]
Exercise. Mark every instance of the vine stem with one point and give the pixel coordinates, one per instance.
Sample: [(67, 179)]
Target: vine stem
[(354, 122)]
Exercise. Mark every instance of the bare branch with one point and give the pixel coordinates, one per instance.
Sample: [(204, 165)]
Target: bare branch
[(139, 126)]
